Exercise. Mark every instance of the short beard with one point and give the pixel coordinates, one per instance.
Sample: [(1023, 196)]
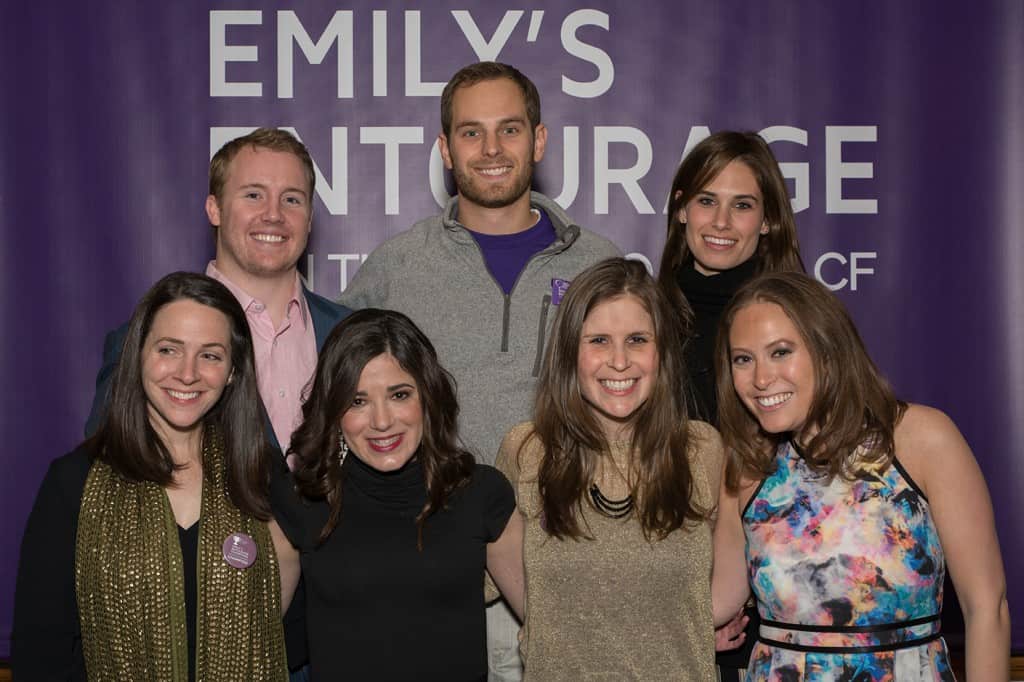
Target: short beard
[(466, 187)]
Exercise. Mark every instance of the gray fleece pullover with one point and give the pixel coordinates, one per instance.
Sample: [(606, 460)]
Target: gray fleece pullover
[(492, 343)]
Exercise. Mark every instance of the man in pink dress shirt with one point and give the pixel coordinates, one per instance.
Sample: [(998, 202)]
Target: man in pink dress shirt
[(261, 208)]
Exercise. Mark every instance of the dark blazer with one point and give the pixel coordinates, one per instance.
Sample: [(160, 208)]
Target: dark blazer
[(325, 315)]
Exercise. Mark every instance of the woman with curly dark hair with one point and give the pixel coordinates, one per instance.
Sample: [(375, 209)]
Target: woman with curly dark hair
[(398, 523)]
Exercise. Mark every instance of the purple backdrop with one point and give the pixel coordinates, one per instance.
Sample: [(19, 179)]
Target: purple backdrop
[(899, 125)]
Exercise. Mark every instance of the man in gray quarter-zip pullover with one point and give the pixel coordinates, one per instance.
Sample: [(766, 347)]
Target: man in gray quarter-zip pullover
[(484, 297), (483, 279)]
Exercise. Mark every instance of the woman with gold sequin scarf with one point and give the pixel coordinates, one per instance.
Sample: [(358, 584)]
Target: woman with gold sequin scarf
[(148, 554)]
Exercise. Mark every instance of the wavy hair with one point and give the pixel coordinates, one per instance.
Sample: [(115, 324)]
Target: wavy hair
[(779, 249), (359, 338), (854, 411), (569, 431), (126, 439)]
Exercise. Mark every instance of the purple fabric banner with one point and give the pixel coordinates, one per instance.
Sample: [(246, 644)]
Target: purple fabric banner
[(897, 124)]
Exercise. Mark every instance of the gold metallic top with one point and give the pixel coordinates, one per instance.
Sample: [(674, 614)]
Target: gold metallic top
[(129, 583), (619, 606)]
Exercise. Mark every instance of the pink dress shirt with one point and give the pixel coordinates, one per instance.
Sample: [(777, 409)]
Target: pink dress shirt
[(285, 357)]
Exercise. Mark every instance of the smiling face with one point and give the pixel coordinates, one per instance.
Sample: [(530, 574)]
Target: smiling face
[(617, 363), (772, 368), (263, 216), (491, 149), (384, 425), (725, 220), (186, 363)]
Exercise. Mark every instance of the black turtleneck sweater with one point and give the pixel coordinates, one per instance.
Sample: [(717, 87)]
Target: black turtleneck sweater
[(379, 609), (708, 296)]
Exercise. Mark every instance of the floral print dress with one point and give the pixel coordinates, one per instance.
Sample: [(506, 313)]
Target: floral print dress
[(847, 575)]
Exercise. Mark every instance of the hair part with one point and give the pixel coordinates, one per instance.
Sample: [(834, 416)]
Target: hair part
[(570, 432), (489, 71), (779, 249), (273, 139), (126, 439), (359, 338), (854, 411)]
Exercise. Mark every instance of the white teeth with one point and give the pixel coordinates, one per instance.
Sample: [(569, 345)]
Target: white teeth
[(272, 238), (773, 400), (494, 171), (618, 385), (180, 395), (385, 442), (718, 241)]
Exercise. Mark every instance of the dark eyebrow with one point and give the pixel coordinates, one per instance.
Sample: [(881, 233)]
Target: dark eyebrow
[(738, 196), (391, 388), (179, 342), (398, 386), (501, 122)]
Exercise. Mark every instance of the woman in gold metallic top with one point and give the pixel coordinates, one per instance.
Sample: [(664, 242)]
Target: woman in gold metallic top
[(147, 555), (616, 487)]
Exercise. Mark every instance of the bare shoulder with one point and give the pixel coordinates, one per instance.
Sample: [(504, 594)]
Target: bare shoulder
[(928, 442), (926, 432)]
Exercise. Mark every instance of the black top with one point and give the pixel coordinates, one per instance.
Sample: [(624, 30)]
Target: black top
[(189, 541), (377, 607), (708, 296), (46, 638)]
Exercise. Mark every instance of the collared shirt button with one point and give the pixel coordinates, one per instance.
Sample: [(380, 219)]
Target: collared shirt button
[(280, 393)]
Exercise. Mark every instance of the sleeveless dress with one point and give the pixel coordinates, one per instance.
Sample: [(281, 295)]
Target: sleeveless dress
[(847, 575)]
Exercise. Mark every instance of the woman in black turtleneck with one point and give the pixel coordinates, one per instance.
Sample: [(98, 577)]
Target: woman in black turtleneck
[(399, 523), (729, 218)]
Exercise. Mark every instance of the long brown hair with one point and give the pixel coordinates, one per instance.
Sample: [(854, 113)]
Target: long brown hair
[(126, 439), (853, 410), (779, 249), (359, 338), (569, 432)]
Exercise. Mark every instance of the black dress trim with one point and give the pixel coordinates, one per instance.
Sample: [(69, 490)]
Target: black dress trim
[(910, 481), (855, 629), (753, 497), (895, 646)]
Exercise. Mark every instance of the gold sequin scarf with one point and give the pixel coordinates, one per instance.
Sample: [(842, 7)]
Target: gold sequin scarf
[(130, 584)]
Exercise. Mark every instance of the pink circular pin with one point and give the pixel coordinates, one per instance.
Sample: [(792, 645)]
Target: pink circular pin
[(239, 550)]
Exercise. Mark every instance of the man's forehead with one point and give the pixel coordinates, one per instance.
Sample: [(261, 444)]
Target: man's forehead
[(497, 98), (253, 160)]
